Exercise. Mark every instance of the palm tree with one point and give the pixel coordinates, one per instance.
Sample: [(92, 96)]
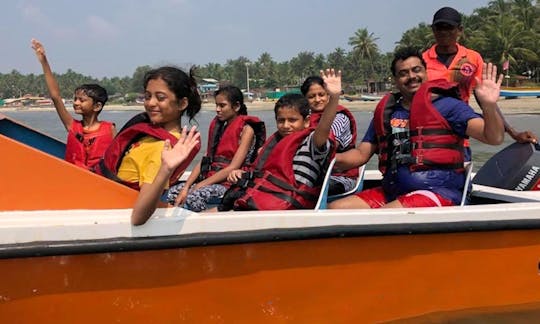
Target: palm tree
[(525, 12), (235, 71), (212, 70), (265, 71), (364, 52), (337, 59), (420, 37), (137, 79), (364, 46), (303, 65), (503, 37)]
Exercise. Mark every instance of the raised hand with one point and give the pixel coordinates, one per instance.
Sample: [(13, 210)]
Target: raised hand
[(38, 49), (488, 89), (172, 157), (332, 81)]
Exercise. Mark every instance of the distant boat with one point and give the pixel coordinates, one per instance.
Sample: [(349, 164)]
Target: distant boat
[(509, 92), (370, 97), (362, 97), (31, 101)]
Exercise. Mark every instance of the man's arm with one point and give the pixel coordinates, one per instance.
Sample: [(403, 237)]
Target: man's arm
[(520, 137), (355, 157)]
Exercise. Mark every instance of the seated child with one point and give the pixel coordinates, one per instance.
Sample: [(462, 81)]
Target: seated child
[(135, 158), (343, 129), (290, 167), (233, 141)]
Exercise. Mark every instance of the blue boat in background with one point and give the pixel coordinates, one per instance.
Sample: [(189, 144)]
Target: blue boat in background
[(31, 137), (511, 93)]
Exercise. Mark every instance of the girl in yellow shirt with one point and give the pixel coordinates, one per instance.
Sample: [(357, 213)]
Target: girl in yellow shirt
[(169, 94)]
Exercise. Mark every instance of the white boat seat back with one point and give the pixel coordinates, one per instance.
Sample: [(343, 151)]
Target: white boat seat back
[(357, 187), (324, 198), (468, 183), (321, 202)]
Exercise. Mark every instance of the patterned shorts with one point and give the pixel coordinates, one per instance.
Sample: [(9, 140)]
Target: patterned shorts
[(198, 200)]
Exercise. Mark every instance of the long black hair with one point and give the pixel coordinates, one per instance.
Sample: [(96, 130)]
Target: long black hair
[(181, 84)]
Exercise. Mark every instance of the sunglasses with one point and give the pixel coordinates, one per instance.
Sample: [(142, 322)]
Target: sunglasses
[(444, 27)]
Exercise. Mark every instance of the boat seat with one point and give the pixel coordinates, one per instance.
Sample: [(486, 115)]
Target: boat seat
[(357, 187), (468, 184), (321, 202), (324, 198)]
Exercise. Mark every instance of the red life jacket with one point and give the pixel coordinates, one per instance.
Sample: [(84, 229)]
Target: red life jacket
[(85, 149), (314, 119), (223, 143), (272, 185), (123, 141), (433, 143)]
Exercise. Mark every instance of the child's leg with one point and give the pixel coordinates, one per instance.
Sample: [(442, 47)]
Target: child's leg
[(173, 192), (197, 200)]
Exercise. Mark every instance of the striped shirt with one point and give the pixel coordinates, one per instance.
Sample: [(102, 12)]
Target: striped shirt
[(341, 127), (309, 162)]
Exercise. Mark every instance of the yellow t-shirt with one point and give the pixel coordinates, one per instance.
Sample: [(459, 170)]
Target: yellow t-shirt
[(142, 161)]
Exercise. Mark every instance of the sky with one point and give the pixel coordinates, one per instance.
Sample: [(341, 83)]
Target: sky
[(107, 38)]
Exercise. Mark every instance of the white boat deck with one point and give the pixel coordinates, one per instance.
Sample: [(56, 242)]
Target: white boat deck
[(66, 225)]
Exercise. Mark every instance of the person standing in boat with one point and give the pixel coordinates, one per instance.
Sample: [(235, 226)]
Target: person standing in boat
[(290, 166), (141, 155), (343, 130), (447, 59), (234, 138), (418, 134), (88, 138)]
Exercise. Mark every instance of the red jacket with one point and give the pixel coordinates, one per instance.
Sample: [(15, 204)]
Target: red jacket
[(272, 185), (223, 143), (112, 159), (85, 149), (433, 143)]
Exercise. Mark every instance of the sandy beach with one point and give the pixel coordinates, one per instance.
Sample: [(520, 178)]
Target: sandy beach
[(526, 105)]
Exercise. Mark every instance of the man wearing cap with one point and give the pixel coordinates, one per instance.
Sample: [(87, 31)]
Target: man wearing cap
[(449, 60)]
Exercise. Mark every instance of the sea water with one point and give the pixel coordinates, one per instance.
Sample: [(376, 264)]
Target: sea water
[(49, 123)]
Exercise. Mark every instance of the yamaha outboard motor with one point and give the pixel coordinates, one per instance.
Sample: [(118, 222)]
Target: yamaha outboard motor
[(516, 167)]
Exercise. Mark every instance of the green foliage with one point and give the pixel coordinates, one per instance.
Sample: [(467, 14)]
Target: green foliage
[(420, 37)]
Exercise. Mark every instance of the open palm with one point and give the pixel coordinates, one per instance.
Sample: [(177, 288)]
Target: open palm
[(172, 157), (488, 89), (332, 81)]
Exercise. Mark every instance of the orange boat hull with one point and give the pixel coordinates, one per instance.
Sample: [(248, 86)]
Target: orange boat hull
[(34, 180), (357, 279)]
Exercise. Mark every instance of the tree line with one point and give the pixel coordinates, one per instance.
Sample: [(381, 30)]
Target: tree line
[(504, 30)]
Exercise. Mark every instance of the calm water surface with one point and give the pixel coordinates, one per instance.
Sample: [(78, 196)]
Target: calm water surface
[(48, 122)]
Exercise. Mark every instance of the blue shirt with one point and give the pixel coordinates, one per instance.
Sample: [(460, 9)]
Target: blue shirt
[(446, 183)]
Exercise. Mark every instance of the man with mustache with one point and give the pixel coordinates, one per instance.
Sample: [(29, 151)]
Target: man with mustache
[(418, 135)]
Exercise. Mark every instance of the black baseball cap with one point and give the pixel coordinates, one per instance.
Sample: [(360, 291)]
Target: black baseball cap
[(447, 15)]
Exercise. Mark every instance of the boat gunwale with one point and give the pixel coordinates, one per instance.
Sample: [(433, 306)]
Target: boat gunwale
[(201, 239)]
